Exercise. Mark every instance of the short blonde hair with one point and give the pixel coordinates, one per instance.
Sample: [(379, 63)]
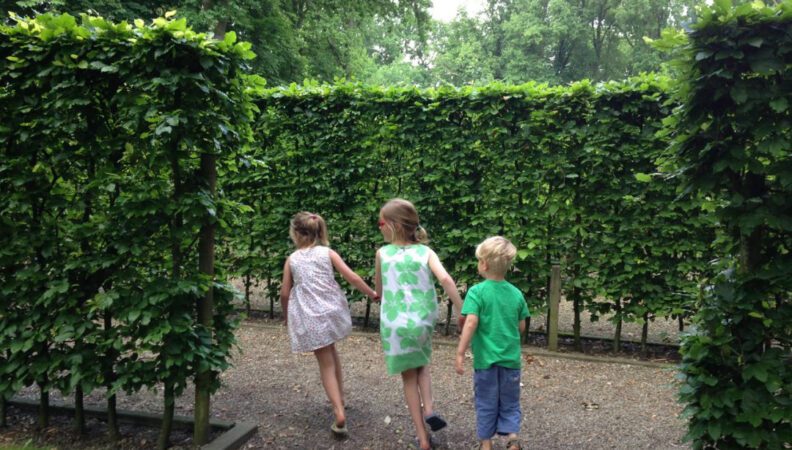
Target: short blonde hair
[(498, 252), (307, 228), (403, 217)]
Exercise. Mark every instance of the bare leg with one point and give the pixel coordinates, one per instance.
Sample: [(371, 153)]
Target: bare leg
[(425, 389), (339, 376), (327, 371), (413, 397), (486, 444)]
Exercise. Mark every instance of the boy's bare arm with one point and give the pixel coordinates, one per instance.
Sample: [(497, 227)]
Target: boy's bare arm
[(522, 326), (471, 323)]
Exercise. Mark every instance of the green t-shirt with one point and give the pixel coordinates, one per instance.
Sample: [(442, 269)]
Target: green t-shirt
[(500, 307)]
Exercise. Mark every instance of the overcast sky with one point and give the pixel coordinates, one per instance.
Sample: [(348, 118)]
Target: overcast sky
[(446, 10)]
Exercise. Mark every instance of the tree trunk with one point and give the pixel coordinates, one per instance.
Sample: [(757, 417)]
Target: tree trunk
[(617, 334), (3, 422), (43, 411), (576, 323), (112, 415), (368, 313), (247, 293), (527, 329), (79, 411), (112, 419), (203, 379), (681, 319), (448, 318), (167, 418), (645, 335)]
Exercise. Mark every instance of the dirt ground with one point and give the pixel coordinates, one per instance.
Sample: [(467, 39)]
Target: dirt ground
[(566, 403)]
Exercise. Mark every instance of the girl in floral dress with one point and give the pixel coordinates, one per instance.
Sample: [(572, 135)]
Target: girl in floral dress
[(405, 273), (317, 312)]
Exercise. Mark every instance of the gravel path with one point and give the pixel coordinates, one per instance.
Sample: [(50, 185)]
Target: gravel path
[(566, 403)]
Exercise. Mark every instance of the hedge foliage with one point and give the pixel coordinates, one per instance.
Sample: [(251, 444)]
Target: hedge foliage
[(733, 135), (103, 126), (567, 173)]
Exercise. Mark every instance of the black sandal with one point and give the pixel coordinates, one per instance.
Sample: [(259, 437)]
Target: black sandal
[(435, 422)]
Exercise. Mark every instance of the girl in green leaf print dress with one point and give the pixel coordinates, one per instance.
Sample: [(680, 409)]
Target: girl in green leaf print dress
[(405, 274)]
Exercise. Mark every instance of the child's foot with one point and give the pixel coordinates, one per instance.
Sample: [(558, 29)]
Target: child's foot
[(339, 430), (428, 446), (513, 444), (435, 422)]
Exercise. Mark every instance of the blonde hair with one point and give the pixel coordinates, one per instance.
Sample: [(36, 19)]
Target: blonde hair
[(307, 228), (498, 252), (403, 218)]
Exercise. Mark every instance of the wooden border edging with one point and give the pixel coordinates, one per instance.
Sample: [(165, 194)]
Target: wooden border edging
[(235, 433)]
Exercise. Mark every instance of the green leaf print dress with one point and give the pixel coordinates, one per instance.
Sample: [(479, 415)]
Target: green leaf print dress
[(409, 306)]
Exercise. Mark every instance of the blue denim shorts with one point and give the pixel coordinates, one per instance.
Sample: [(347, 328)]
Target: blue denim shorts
[(497, 391)]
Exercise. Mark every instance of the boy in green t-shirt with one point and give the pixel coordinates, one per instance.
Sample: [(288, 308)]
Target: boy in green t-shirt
[(494, 311)]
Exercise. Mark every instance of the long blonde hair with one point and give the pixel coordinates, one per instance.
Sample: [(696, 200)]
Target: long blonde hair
[(403, 218), (307, 228)]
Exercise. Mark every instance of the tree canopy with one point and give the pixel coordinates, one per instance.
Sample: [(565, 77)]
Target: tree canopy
[(388, 42)]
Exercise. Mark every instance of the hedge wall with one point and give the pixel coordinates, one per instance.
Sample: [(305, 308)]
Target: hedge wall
[(567, 173), (103, 196), (733, 142)]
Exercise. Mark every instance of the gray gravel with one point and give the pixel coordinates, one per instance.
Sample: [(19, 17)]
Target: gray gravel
[(566, 403)]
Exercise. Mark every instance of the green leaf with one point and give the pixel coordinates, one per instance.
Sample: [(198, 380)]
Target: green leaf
[(779, 104)]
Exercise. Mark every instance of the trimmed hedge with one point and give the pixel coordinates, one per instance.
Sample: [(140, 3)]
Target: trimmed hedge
[(103, 127), (565, 172), (733, 140)]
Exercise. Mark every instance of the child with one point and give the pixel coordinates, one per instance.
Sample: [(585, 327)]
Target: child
[(317, 312), (494, 311), (403, 278)]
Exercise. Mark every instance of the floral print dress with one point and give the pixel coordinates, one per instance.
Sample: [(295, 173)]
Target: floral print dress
[(409, 306)]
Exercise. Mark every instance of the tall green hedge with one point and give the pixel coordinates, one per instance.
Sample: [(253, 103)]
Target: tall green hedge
[(733, 143), (565, 172), (103, 127)]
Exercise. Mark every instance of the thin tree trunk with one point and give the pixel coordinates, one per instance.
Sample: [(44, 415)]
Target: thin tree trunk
[(3, 422), (576, 322), (203, 379), (448, 318), (681, 319), (645, 335), (247, 293), (112, 419), (79, 411), (271, 296), (368, 313), (617, 334), (112, 414), (167, 418), (43, 411)]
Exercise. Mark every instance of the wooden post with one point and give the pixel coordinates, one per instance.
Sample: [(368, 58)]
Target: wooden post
[(555, 297)]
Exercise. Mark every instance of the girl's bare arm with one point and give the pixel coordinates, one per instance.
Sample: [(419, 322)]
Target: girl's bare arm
[(377, 276), (351, 277), (449, 286), (286, 287)]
